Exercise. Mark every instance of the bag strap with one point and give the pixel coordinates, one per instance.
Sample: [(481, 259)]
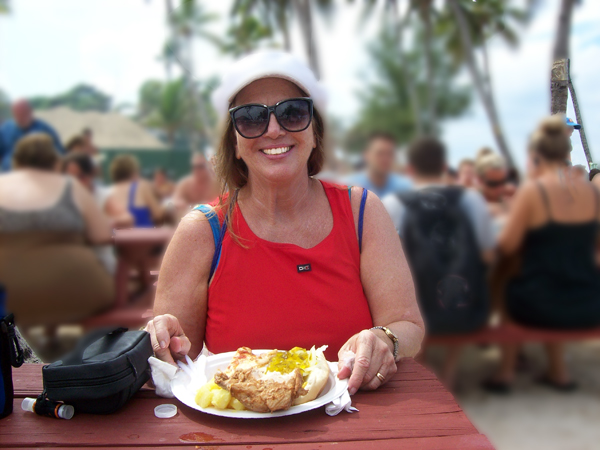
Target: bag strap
[(361, 214), (218, 231), (76, 356), (7, 326)]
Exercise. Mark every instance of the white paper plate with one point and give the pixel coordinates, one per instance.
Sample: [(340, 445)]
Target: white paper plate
[(186, 394)]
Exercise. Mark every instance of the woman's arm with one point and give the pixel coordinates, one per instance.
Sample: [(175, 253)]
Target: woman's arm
[(389, 289), (518, 220), (181, 294), (97, 227)]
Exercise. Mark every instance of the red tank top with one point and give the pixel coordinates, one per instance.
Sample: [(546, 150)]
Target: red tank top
[(275, 295)]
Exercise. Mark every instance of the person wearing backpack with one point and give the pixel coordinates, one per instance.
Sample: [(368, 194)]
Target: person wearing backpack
[(448, 239)]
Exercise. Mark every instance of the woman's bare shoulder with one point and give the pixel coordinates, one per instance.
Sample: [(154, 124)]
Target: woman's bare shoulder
[(194, 228)]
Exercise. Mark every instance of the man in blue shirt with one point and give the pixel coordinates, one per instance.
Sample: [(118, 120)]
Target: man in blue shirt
[(379, 178), (22, 124)]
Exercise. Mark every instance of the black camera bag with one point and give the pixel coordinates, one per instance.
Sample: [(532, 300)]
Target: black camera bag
[(105, 370)]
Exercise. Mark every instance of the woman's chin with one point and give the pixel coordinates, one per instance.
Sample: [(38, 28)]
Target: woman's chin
[(282, 174)]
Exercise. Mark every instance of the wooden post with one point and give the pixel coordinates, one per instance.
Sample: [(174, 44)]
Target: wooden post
[(559, 86), (584, 141)]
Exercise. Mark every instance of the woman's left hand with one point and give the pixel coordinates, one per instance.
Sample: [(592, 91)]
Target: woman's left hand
[(373, 356)]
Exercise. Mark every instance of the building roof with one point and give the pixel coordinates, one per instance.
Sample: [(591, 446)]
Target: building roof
[(111, 130)]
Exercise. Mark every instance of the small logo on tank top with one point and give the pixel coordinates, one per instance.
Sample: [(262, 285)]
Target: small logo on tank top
[(303, 268)]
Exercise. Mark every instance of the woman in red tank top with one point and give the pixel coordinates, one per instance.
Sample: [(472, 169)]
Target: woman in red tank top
[(292, 261)]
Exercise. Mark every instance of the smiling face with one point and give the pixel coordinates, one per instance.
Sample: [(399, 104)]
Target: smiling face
[(278, 155)]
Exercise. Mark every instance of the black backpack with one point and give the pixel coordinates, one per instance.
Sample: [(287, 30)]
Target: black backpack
[(447, 269)]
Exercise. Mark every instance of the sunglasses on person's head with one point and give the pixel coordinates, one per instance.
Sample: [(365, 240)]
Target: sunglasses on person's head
[(252, 120), (495, 183)]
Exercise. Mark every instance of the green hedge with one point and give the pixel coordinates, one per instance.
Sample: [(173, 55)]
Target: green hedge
[(175, 162)]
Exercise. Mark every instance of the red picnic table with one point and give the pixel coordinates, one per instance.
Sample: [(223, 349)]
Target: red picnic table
[(135, 241), (412, 411)]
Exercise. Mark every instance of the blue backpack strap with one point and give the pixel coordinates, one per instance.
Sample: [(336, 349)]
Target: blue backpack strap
[(361, 216), (218, 231)]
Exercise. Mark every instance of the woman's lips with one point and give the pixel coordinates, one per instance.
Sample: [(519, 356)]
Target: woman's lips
[(276, 151)]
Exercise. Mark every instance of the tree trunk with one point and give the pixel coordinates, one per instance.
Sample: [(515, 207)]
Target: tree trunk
[(285, 31), (308, 32), (487, 73), (559, 89), (168, 59), (486, 99), (431, 94), (415, 103)]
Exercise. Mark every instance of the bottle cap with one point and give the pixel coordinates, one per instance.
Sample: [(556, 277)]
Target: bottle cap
[(27, 404), (165, 411), (66, 412)]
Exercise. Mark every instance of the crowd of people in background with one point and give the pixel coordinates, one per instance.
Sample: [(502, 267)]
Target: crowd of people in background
[(458, 227)]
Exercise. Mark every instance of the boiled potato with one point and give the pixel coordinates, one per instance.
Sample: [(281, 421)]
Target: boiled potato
[(204, 396), (220, 398), (236, 404)]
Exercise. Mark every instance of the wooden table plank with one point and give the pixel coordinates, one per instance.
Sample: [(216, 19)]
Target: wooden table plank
[(413, 405), (143, 236), (135, 424), (471, 442)]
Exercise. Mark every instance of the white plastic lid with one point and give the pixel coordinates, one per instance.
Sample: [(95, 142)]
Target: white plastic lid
[(66, 412), (27, 404), (165, 411)]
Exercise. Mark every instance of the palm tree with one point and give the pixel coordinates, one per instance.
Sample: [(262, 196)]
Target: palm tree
[(425, 11), (188, 22), (274, 14), (473, 25), (245, 37), (164, 106), (386, 103), (559, 89), (278, 14)]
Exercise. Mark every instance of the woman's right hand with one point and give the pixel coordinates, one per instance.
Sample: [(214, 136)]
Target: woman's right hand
[(169, 342)]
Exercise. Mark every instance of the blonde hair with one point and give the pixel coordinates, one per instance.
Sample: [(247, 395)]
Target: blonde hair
[(36, 150), (489, 161), (233, 172), (550, 140)]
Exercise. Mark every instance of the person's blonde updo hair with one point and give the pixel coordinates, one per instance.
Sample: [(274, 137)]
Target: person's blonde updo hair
[(123, 168), (489, 161), (550, 140), (35, 151), (233, 172), (483, 151)]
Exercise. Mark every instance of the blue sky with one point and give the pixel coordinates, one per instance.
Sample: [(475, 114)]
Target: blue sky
[(46, 47)]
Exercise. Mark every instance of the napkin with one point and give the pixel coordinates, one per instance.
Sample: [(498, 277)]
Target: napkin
[(344, 402), (162, 373)]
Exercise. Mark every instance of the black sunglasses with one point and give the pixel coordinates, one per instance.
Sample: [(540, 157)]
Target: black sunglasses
[(252, 120), (495, 183)]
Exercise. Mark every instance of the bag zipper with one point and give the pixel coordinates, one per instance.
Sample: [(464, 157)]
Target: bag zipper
[(96, 381)]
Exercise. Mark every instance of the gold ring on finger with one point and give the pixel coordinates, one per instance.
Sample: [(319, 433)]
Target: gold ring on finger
[(381, 377)]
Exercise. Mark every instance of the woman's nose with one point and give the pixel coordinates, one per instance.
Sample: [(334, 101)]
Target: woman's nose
[(274, 130)]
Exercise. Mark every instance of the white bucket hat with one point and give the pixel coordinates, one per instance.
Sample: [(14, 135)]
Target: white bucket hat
[(265, 64)]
